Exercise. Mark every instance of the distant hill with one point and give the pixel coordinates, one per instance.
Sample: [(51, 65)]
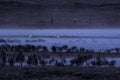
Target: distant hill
[(84, 3), (64, 13), (17, 4), (67, 1)]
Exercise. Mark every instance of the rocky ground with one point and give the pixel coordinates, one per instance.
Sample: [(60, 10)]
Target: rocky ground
[(59, 73)]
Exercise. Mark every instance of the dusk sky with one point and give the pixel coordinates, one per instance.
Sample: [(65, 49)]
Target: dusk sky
[(52, 14)]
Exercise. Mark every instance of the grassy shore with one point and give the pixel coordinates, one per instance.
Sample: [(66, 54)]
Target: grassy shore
[(59, 73)]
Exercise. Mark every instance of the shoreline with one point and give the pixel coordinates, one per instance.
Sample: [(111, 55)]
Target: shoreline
[(37, 36)]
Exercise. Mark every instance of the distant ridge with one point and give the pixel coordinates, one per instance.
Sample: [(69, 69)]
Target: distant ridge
[(59, 14), (18, 3)]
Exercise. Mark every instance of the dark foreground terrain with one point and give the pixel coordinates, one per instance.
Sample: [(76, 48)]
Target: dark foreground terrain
[(59, 73)]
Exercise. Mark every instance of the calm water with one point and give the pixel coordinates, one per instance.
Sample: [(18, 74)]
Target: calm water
[(65, 32), (97, 39)]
